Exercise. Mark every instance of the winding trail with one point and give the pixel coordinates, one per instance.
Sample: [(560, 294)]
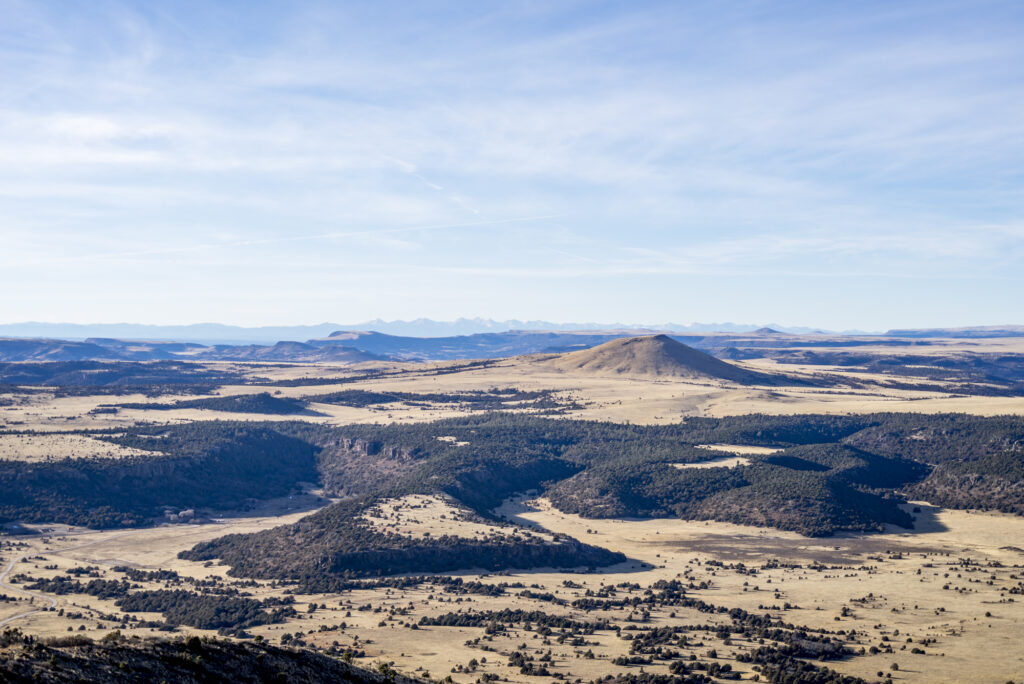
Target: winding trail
[(52, 601)]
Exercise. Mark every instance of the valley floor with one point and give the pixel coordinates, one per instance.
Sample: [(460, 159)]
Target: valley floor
[(947, 589)]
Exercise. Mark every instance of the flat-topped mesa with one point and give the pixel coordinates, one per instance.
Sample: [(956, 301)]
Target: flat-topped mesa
[(651, 355)]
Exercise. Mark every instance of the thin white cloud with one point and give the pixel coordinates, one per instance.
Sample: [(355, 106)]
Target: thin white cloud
[(380, 236), (669, 140)]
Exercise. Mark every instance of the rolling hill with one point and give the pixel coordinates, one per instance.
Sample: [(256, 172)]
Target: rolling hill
[(652, 355)]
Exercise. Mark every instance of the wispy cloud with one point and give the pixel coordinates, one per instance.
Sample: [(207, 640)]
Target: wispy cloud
[(653, 141), (379, 235)]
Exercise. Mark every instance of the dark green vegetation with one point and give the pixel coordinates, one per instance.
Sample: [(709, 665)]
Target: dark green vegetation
[(213, 465), (25, 659), (262, 402), (205, 604), (832, 473), (205, 611), (492, 400), (334, 544), (986, 374), (814, 490), (265, 403), (978, 462), (825, 479)]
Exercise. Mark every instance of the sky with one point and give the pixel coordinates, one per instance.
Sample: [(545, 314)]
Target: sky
[(837, 165)]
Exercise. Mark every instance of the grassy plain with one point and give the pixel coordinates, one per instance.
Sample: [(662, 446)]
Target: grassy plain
[(642, 399), (944, 588)]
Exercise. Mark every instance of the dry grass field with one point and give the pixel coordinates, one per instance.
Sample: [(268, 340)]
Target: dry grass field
[(43, 446), (424, 516), (945, 598), (944, 589), (598, 394)]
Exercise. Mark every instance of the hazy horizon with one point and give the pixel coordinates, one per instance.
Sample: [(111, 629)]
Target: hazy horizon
[(420, 327)]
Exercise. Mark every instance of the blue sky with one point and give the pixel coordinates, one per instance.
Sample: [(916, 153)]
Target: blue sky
[(843, 165)]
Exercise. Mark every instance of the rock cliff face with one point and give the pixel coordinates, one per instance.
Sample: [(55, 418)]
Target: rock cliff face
[(351, 467)]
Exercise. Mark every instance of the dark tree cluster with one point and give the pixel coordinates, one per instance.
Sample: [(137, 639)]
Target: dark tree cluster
[(326, 550), (263, 403), (205, 611), (833, 473), (115, 659), (209, 465)]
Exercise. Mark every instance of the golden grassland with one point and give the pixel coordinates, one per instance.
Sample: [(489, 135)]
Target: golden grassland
[(948, 581), (618, 398)]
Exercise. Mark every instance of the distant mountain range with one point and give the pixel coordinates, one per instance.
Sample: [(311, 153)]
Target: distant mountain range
[(217, 333), (340, 347), (347, 346), (976, 332)]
